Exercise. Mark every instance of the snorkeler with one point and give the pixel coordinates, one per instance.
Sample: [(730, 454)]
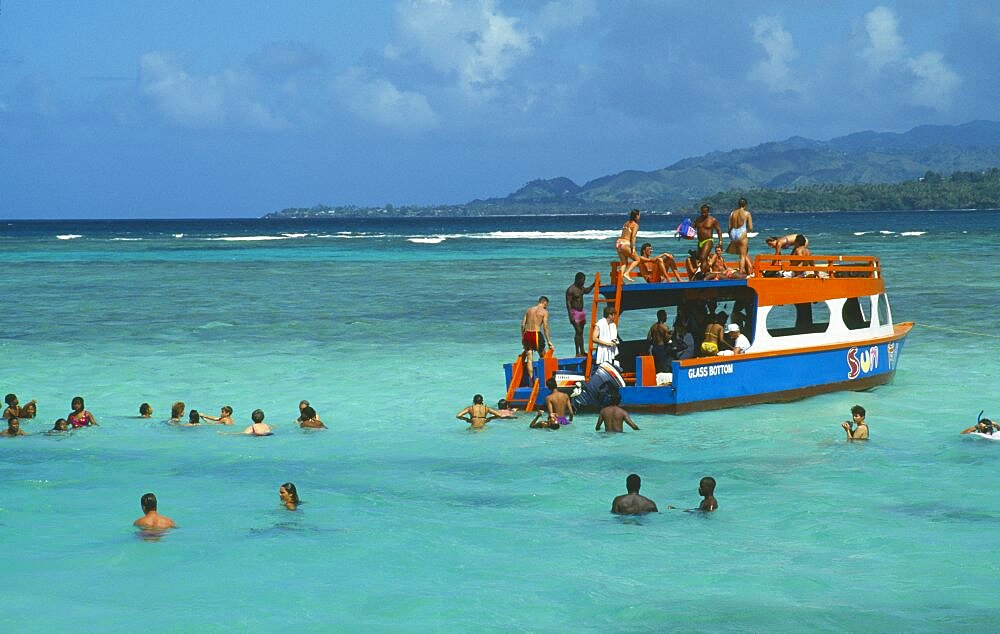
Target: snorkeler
[(982, 426)]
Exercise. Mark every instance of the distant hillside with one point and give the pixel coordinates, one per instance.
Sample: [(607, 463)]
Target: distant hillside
[(781, 166)]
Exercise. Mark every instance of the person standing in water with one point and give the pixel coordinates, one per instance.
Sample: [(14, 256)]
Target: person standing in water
[(740, 224), (574, 308), (477, 414), (857, 429), (289, 496), (632, 503), (151, 519), (80, 417)]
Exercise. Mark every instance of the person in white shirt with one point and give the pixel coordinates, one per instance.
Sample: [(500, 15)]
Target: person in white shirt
[(737, 340), (605, 335)]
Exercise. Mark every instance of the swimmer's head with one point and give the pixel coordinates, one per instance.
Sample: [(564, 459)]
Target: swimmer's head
[(632, 483), (227, 410), (290, 491), (148, 502), (303, 403), (502, 404), (615, 399), (857, 410), (10, 399), (145, 410), (76, 404), (31, 409), (477, 399), (257, 416), (193, 417), (543, 300), (177, 410), (551, 384), (706, 486), (308, 413), (61, 425), (13, 425)]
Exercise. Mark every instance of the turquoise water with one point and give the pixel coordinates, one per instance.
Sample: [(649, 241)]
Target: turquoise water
[(410, 521)]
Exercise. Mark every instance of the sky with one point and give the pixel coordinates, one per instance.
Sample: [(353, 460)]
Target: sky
[(216, 108)]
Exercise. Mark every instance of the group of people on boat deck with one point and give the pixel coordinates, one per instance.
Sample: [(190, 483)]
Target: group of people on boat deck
[(707, 260)]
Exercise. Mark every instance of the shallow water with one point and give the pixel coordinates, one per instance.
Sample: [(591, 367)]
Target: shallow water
[(413, 522)]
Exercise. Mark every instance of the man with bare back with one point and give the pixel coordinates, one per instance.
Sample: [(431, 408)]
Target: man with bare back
[(706, 224), (535, 332), (613, 415), (558, 404), (574, 308)]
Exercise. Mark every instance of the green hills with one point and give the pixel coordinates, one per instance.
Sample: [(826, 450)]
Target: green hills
[(928, 167)]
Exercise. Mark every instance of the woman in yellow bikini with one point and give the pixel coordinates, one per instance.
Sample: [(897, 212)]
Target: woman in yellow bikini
[(625, 245)]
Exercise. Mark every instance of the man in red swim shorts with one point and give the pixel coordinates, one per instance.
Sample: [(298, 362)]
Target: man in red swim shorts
[(533, 325)]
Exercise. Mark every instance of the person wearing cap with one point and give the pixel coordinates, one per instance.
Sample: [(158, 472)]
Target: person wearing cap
[(736, 339)]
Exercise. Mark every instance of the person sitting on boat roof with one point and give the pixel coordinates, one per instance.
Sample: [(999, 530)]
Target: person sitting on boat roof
[(693, 266), (719, 270), (740, 344), (861, 431), (558, 403), (605, 335), (477, 414), (544, 420), (613, 415), (655, 269), (780, 242)]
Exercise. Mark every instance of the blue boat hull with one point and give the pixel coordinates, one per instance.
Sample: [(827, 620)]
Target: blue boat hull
[(719, 382)]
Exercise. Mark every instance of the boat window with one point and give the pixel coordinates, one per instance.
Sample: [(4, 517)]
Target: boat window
[(797, 319), (883, 310), (854, 313)]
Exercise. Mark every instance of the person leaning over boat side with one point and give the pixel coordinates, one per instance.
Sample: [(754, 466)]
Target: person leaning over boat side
[(648, 265), (477, 414), (625, 245), (659, 338), (740, 344), (605, 335), (535, 333), (632, 503), (574, 308), (780, 242), (740, 224), (861, 431), (151, 519), (799, 248), (558, 404), (613, 415), (706, 224)]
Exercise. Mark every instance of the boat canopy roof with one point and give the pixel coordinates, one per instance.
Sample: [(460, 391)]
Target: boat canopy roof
[(666, 294)]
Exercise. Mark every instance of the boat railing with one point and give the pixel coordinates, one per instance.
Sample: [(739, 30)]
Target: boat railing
[(817, 266)]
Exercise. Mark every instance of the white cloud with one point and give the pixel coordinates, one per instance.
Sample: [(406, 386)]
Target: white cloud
[(780, 48), (935, 81), (885, 46), (930, 79), (379, 101), (472, 41), (209, 101)]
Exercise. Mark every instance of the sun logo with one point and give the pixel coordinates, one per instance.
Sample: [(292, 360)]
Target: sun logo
[(863, 362)]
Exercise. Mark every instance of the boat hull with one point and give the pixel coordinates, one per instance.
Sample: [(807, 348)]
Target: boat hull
[(720, 382)]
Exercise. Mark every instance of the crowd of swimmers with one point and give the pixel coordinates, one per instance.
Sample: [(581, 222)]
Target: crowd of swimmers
[(79, 417)]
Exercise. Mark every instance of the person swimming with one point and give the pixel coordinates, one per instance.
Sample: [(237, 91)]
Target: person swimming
[(80, 417), (258, 427), (289, 496)]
